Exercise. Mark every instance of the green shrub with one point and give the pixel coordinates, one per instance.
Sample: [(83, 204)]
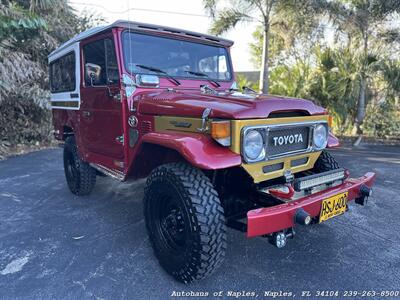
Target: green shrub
[(23, 121), (382, 120)]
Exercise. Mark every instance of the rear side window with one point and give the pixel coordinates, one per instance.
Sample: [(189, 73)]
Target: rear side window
[(100, 63), (62, 74)]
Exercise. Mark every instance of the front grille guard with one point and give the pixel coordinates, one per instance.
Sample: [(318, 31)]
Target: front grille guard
[(268, 128)]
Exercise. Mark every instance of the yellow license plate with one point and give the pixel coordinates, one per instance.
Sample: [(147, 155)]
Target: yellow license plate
[(333, 206)]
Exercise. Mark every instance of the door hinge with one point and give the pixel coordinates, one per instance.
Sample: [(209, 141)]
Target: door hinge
[(120, 139)]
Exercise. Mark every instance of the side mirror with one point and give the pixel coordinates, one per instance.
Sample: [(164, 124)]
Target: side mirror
[(92, 78), (144, 80), (93, 72)]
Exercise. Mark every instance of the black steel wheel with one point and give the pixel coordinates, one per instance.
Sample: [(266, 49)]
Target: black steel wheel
[(185, 221), (325, 162), (80, 176)]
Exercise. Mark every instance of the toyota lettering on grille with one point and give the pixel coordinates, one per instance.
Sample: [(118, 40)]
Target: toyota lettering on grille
[(288, 139)]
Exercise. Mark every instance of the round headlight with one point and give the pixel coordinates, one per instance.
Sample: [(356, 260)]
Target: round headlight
[(320, 136), (253, 145)]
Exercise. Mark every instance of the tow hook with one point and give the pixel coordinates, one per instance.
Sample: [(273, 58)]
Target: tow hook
[(279, 239), (365, 192), (302, 217)]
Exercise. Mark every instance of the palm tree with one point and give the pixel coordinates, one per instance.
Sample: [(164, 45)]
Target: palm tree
[(390, 71), (363, 21), (335, 83), (268, 13)]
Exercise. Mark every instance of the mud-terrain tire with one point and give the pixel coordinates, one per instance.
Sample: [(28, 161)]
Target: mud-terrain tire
[(185, 221), (80, 176), (325, 162)]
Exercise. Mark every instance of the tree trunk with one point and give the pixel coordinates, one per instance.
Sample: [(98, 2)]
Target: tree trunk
[(361, 104), (264, 62), (363, 88)]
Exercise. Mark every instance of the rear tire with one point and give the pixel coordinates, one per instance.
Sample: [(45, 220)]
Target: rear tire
[(81, 177), (185, 221), (325, 162)]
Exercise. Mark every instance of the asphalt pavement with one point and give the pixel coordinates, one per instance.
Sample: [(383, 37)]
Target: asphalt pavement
[(54, 245)]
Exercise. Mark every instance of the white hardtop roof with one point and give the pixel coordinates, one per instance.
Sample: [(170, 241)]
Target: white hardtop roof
[(145, 28)]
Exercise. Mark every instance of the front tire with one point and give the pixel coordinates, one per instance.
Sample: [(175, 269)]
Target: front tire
[(80, 176), (185, 221), (325, 162)]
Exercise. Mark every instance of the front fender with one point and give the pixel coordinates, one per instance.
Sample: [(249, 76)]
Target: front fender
[(333, 141), (198, 149)]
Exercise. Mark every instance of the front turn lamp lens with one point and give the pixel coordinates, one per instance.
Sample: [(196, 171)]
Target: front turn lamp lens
[(320, 136), (330, 121), (253, 145), (221, 132)]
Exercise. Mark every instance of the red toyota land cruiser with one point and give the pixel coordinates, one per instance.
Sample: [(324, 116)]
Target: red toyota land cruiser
[(134, 100)]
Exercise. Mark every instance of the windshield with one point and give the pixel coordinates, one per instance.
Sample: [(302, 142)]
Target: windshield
[(175, 57)]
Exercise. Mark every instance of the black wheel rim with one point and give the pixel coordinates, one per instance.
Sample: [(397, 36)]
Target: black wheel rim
[(171, 224), (71, 171)]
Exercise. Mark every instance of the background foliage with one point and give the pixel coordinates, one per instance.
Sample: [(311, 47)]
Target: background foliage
[(343, 54), (29, 31), (346, 59)]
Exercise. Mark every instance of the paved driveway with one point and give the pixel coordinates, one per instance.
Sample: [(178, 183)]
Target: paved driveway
[(56, 245)]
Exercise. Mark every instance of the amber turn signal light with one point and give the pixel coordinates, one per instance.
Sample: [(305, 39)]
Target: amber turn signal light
[(221, 132), (220, 129), (330, 121)]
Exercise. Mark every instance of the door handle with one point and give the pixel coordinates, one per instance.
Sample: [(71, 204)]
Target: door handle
[(86, 114)]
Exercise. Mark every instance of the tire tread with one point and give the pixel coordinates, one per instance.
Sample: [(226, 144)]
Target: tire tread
[(206, 211), (326, 162), (87, 175)]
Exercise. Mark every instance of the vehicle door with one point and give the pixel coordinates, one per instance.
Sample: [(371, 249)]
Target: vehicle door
[(101, 110)]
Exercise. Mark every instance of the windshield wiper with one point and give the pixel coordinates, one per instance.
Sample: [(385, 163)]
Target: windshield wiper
[(153, 69), (204, 75)]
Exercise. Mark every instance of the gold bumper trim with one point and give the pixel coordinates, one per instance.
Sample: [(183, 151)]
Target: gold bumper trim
[(257, 173)]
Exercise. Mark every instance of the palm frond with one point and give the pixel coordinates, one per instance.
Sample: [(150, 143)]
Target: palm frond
[(382, 9), (210, 6), (227, 19)]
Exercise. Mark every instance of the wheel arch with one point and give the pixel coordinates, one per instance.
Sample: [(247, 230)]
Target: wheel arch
[(150, 156), (67, 131), (197, 150)]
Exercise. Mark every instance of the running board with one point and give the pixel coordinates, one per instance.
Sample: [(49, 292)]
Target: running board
[(109, 172)]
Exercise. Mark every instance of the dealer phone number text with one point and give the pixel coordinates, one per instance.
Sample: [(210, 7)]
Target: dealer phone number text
[(365, 293)]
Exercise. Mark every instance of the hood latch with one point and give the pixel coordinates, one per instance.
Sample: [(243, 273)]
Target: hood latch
[(204, 120)]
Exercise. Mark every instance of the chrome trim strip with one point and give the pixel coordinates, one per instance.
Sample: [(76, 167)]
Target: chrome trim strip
[(109, 172), (267, 129)]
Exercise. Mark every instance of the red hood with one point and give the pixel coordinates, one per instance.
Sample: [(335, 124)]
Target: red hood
[(192, 104)]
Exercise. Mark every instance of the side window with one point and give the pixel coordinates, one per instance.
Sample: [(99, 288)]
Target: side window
[(100, 63), (62, 74)]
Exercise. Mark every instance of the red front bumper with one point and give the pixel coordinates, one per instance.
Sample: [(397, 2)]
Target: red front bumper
[(276, 218)]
